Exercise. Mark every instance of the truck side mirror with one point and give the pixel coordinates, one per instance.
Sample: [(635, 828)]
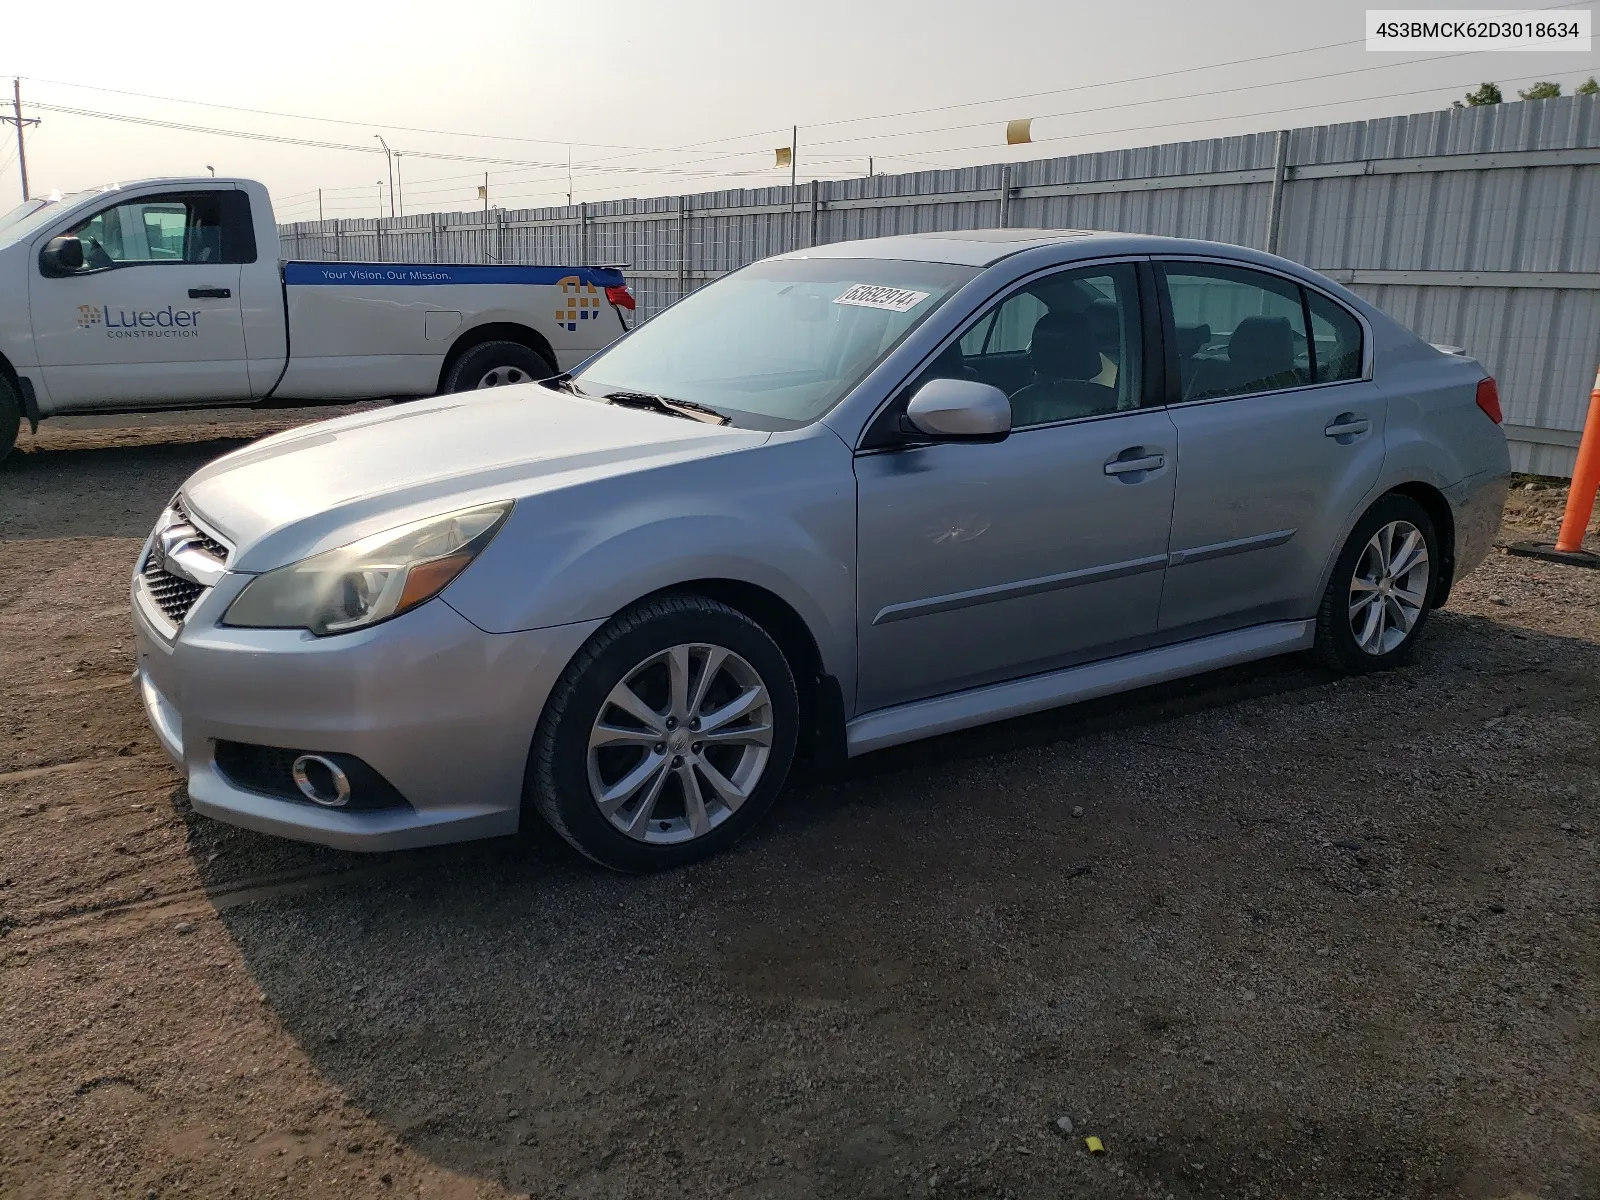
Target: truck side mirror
[(61, 256)]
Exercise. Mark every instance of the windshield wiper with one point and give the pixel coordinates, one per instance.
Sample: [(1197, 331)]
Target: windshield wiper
[(665, 404)]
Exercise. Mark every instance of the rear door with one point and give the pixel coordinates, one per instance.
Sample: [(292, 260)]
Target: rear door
[(1280, 440), (153, 316)]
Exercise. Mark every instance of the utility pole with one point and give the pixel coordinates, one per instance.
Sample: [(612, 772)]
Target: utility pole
[(389, 155), (380, 199), (319, 204), (569, 174), (794, 156), (869, 166), (400, 187), (17, 120)]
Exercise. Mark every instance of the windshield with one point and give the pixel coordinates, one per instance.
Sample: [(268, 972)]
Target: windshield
[(22, 221), (778, 344)]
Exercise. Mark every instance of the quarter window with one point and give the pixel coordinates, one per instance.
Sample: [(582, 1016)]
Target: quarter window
[(1237, 331), (1336, 339), (1061, 347)]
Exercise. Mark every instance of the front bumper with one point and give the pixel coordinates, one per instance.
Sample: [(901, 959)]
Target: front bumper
[(442, 710)]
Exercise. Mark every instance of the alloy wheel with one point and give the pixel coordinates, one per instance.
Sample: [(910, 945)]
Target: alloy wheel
[(680, 743), (1389, 587)]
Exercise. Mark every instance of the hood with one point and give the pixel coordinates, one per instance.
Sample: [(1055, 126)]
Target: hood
[(325, 485)]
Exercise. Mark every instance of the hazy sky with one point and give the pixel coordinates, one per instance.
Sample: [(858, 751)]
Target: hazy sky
[(691, 95)]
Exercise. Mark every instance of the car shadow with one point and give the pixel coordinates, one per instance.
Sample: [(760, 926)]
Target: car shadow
[(813, 1010)]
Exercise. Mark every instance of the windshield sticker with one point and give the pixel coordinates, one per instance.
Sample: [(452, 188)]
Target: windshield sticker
[(872, 295)]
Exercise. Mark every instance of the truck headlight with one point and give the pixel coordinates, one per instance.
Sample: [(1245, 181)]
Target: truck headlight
[(368, 581)]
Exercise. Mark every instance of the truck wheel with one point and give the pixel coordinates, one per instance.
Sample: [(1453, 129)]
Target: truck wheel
[(497, 364), (667, 737), (10, 416)]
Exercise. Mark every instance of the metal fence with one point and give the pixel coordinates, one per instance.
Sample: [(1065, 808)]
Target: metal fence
[(1476, 227)]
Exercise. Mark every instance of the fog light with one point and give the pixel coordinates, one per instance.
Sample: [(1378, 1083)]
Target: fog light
[(321, 780)]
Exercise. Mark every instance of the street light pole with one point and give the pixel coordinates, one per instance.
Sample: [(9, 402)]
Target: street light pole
[(380, 199), (389, 155)]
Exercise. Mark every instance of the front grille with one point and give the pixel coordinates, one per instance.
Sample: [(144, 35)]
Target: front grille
[(200, 539), (172, 594), (166, 580)]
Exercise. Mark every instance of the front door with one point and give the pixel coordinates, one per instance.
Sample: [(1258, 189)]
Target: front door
[(1280, 440), (984, 562), (153, 316)]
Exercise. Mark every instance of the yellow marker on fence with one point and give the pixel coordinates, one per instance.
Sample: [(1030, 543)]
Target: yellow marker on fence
[(1096, 1146)]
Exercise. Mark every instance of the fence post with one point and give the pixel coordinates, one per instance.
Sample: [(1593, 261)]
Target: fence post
[(683, 246), (815, 183), (1280, 173), (338, 246), (1005, 195), (433, 235), (500, 233), (583, 234)]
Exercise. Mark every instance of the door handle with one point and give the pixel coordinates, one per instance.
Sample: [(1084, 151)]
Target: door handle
[(1346, 425), (210, 293), (1127, 466)]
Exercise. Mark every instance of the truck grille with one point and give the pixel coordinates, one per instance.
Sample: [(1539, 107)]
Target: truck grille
[(184, 561)]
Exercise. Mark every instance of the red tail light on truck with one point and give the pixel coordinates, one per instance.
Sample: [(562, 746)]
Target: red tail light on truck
[(621, 297)]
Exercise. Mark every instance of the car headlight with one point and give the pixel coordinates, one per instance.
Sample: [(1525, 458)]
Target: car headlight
[(368, 581)]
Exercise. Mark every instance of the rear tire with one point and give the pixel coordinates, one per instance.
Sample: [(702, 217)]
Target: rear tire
[(667, 737), (497, 364), (10, 416), (1381, 590)]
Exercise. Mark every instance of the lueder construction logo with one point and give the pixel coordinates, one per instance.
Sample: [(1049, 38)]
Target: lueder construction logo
[(141, 323)]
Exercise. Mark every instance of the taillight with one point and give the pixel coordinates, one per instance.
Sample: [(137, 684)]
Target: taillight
[(621, 297), (1489, 399)]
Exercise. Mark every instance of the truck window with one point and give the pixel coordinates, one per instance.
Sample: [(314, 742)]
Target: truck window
[(201, 227)]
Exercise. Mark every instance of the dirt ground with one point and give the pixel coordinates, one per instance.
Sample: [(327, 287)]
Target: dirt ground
[(1309, 937)]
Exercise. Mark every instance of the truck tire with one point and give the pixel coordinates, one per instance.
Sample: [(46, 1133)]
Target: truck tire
[(497, 364), (10, 416)]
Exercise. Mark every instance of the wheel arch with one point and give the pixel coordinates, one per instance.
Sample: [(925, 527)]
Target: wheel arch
[(1433, 502), (495, 331), (822, 718)]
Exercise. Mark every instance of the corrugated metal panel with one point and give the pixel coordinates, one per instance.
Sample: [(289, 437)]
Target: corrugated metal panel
[(1361, 205)]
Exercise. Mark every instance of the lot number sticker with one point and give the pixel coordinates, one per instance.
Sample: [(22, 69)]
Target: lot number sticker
[(872, 295)]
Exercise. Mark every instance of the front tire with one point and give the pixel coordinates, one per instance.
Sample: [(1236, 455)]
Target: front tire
[(497, 364), (10, 416), (1381, 590), (667, 737)]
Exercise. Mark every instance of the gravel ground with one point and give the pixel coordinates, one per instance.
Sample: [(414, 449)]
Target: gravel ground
[(1308, 937)]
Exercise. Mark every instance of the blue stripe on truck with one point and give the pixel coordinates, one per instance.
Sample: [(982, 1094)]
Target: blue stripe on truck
[(407, 275)]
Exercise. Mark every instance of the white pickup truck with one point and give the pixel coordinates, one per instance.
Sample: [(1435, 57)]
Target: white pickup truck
[(169, 293)]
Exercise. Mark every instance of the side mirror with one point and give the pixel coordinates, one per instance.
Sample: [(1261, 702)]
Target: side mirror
[(960, 410), (62, 256)]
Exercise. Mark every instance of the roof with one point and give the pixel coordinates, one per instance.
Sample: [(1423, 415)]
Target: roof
[(964, 247)]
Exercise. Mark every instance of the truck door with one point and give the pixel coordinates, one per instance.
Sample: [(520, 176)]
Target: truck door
[(153, 314)]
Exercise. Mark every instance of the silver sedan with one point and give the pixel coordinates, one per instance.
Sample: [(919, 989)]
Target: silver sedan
[(840, 499)]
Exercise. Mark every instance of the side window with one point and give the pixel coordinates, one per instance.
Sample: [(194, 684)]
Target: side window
[(1336, 335), (1238, 331), (204, 227), (1061, 347)]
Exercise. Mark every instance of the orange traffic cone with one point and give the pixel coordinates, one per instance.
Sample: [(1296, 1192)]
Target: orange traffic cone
[(1580, 498), (1585, 479)]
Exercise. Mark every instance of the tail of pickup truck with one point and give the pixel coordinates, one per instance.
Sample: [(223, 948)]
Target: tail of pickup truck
[(169, 293)]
